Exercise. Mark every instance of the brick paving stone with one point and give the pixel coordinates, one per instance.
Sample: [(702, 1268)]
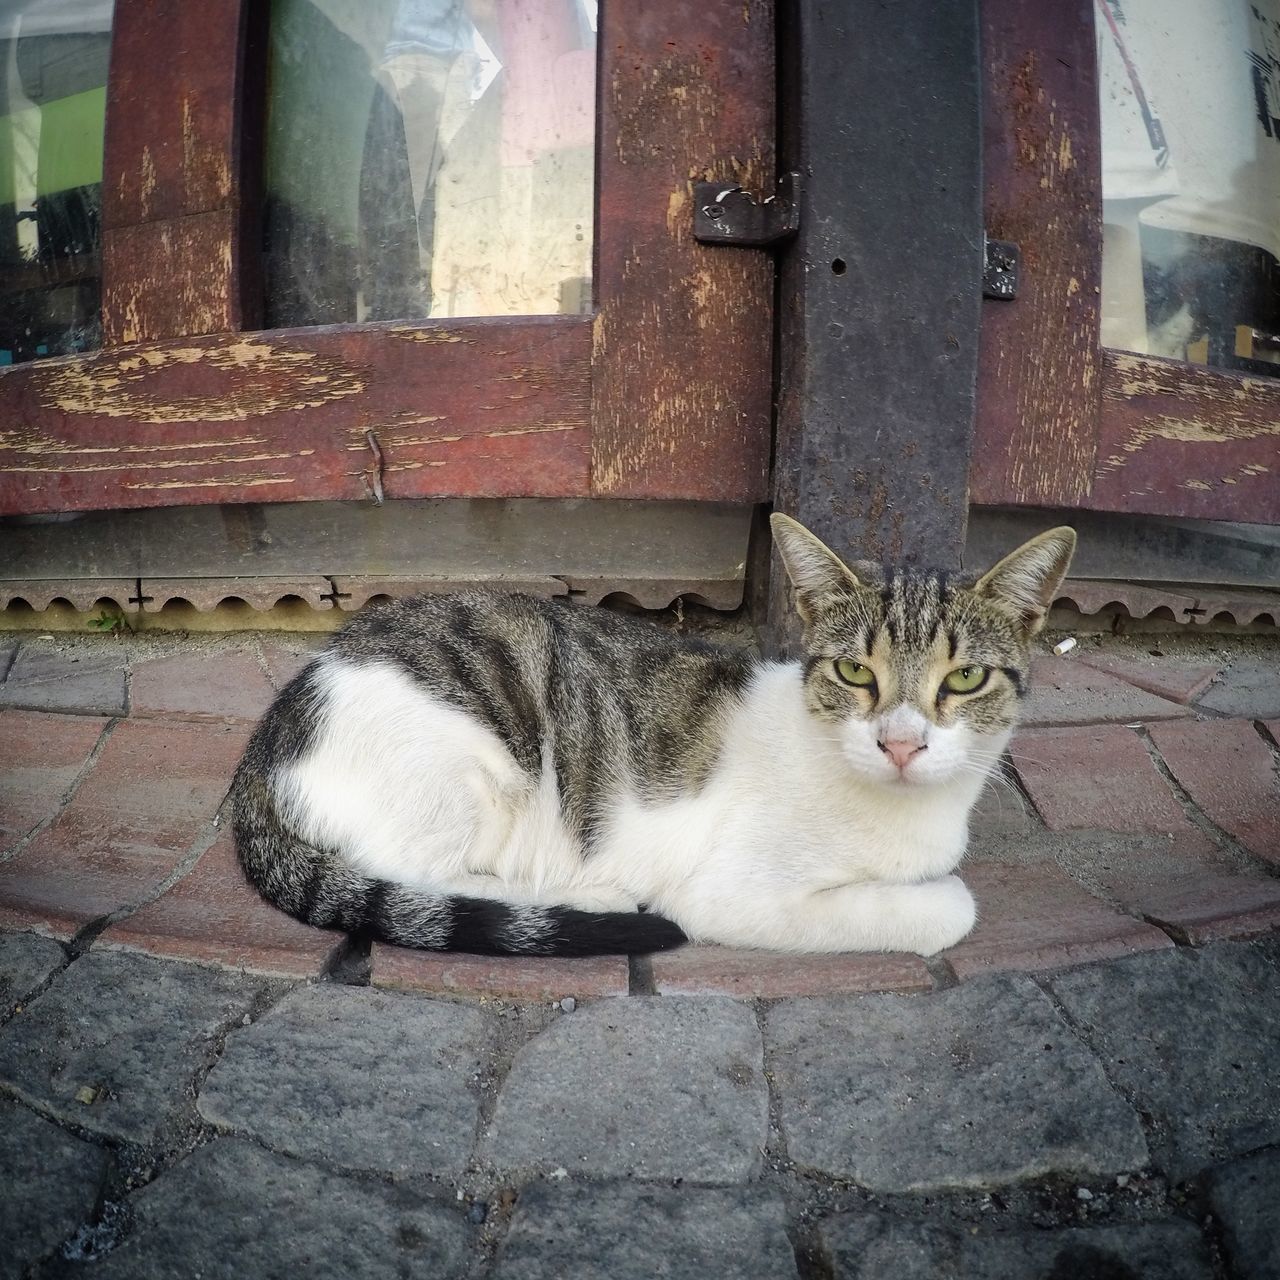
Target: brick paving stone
[(285, 659), (1169, 678), (1035, 917), (133, 1029), (1244, 1196), (212, 685), (40, 756), (1101, 778), (87, 678), (726, 971), (1230, 773), (628, 1232), (360, 1078), (1189, 1036), (651, 1089), (231, 1211), (516, 977), (26, 960), (1250, 687), (50, 1182), (1205, 906), (1001, 810), (152, 790), (979, 1085), (1065, 692), (873, 1245), (213, 915)]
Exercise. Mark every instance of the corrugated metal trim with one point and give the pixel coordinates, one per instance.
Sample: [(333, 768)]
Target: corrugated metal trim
[(1200, 606)]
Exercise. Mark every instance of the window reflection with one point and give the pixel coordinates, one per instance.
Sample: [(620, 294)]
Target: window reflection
[(53, 75), (429, 158), (1190, 97)]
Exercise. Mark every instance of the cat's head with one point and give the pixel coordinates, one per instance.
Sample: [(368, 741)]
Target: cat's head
[(918, 675)]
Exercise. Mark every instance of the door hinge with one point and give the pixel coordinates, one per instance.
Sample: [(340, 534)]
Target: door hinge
[(1000, 269), (726, 214)]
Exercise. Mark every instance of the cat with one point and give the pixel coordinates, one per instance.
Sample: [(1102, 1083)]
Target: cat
[(502, 773)]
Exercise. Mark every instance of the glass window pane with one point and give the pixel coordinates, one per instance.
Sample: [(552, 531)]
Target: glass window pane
[(53, 76), (429, 158), (1190, 96)]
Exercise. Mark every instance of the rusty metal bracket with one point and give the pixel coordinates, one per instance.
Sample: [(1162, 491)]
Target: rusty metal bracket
[(1000, 263), (726, 214)]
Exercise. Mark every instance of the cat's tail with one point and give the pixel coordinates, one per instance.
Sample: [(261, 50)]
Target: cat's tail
[(320, 888)]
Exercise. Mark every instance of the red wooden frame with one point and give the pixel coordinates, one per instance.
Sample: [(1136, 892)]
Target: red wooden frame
[(664, 393), (1063, 421)]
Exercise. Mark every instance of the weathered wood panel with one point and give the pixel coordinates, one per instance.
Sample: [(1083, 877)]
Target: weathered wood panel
[(172, 169), (481, 408), (682, 368), (1038, 385), (1182, 440)]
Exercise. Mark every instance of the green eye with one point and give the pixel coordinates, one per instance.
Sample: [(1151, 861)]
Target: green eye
[(855, 673), (965, 679)]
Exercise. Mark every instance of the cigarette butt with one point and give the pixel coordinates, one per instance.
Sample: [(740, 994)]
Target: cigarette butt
[(1064, 646)]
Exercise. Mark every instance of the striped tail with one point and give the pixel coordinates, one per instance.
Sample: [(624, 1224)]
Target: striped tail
[(319, 888)]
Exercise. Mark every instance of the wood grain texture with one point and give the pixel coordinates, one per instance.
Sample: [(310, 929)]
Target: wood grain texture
[(1038, 386), (283, 416), (681, 367), (172, 169), (1182, 440)]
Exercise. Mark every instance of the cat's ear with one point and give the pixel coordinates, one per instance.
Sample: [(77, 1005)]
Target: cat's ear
[(1027, 580), (814, 569)]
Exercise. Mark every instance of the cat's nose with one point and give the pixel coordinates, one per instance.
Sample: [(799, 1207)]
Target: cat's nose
[(902, 750)]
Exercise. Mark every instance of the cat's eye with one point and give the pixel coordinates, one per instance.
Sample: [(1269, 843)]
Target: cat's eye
[(965, 680), (855, 673)]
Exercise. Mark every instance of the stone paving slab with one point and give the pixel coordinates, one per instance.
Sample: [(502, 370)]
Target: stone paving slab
[(1065, 692), (453, 973), (1250, 687), (213, 915), (40, 757), (276, 1217), (1190, 1037), (359, 1078), (152, 789), (85, 677), (1035, 917), (767, 975), (973, 1087), (1245, 1198), (627, 1232), (643, 1088), (130, 1030), (877, 1247), (1173, 679), (1230, 773), (26, 960), (198, 686), (1101, 778), (48, 1185)]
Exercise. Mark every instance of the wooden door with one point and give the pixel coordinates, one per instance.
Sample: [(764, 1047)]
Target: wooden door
[(661, 390), (1062, 420)]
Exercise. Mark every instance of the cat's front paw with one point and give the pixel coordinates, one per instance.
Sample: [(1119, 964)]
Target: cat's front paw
[(602, 899), (944, 912)]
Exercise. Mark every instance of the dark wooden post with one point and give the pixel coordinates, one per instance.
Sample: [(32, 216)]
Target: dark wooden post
[(880, 292), (179, 202)]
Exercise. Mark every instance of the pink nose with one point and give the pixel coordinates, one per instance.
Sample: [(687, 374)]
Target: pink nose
[(902, 751)]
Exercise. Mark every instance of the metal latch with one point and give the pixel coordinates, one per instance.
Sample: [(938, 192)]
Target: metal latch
[(1000, 269), (726, 214)]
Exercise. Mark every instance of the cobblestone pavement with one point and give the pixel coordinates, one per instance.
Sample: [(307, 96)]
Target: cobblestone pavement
[(192, 1084)]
